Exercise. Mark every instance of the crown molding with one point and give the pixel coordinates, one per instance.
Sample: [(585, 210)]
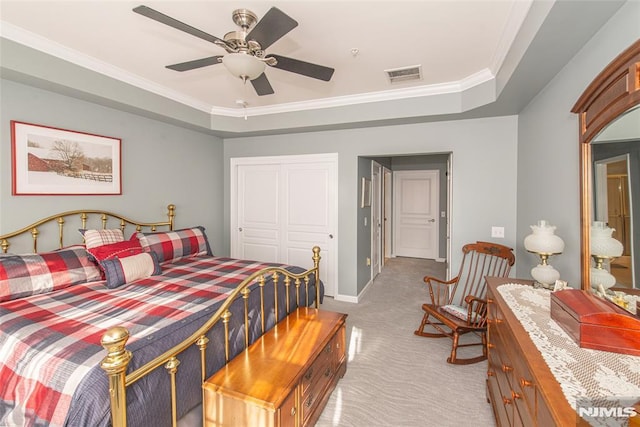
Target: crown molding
[(455, 87), (49, 47)]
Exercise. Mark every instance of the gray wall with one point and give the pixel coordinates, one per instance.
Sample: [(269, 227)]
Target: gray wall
[(161, 164), (484, 156), (548, 162)]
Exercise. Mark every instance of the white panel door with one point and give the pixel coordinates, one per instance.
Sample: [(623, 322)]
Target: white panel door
[(309, 220), (416, 213), (258, 213), (283, 206)]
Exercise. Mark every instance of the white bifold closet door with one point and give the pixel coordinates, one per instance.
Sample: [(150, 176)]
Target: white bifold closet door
[(282, 207)]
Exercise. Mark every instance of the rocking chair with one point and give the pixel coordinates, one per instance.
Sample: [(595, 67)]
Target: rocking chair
[(452, 311)]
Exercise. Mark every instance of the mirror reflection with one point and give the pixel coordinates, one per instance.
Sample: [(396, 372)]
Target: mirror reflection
[(616, 194)]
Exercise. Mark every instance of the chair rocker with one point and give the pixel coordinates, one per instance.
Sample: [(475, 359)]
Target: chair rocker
[(458, 306)]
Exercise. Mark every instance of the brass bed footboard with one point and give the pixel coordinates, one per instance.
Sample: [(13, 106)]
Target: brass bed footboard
[(118, 357)]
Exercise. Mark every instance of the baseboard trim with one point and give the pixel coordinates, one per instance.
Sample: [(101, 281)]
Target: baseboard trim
[(352, 299)]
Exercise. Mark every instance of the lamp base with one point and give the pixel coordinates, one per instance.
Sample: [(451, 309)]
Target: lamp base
[(545, 274)]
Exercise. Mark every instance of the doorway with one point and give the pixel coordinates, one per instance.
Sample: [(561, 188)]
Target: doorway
[(613, 206), (416, 220)]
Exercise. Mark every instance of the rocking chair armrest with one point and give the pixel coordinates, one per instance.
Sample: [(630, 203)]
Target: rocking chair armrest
[(471, 299), (428, 279), (477, 310), (439, 289)]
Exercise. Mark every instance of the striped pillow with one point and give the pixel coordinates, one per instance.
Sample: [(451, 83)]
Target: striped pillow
[(94, 238), (119, 271), (174, 245), (24, 275)]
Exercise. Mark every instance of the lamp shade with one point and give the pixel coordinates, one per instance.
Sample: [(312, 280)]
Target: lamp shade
[(543, 240), (602, 243), (243, 65)]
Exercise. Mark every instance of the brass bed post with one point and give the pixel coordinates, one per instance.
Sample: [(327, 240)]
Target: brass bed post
[(276, 279), (61, 232), (287, 285), (245, 296), (172, 368), (316, 266), (34, 236), (115, 365), (171, 214), (202, 345)]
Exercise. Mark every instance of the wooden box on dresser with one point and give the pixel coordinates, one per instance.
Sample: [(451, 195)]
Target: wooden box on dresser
[(285, 378), (520, 386)]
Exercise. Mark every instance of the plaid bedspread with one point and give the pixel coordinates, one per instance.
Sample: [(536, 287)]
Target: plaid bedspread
[(49, 342)]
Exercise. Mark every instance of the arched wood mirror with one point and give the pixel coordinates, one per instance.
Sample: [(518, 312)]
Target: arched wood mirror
[(609, 126)]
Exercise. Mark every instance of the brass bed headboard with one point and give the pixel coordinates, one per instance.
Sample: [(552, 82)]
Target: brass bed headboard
[(84, 214)]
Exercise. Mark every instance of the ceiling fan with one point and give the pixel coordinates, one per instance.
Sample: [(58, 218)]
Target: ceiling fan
[(245, 48)]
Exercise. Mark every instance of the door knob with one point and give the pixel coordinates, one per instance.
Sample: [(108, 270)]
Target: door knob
[(239, 228), (432, 220), (331, 236)]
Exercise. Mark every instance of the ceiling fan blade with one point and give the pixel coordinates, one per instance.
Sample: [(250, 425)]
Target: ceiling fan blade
[(262, 85), (167, 20), (198, 63), (301, 67), (273, 25)]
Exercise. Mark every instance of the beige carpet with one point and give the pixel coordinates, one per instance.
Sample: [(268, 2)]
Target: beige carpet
[(395, 378)]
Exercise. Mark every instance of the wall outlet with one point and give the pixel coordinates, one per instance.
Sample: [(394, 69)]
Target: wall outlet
[(497, 232)]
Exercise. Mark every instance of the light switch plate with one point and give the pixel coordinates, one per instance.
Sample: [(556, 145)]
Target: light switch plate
[(497, 232)]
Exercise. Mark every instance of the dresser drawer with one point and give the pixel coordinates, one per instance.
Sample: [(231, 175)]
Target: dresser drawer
[(288, 411), (318, 369)]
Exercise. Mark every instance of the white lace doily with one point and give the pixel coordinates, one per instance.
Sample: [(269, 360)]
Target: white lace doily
[(583, 374)]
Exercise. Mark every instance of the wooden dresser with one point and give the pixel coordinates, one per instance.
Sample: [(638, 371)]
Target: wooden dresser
[(521, 388), (284, 378)]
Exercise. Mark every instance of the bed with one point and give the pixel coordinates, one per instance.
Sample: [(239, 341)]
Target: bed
[(123, 330)]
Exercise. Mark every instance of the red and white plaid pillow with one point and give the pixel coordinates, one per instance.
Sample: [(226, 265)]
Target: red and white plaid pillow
[(174, 245), (24, 275)]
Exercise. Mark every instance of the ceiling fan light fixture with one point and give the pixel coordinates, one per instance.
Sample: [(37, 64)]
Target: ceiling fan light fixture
[(243, 65)]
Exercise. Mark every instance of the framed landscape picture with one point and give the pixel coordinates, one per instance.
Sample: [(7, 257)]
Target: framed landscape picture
[(52, 161)]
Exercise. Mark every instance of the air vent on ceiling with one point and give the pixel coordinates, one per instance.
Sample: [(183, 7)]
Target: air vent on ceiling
[(405, 74)]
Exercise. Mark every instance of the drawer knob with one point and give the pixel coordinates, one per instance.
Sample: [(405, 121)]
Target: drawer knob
[(309, 402), (491, 373), (491, 345), (309, 374), (506, 368), (514, 395), (506, 400), (293, 411), (489, 301), (524, 383)]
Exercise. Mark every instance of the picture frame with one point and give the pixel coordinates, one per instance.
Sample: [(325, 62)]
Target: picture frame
[(52, 161), (365, 192)]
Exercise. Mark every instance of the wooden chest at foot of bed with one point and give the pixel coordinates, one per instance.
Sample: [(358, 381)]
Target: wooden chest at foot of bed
[(595, 323), (284, 378)]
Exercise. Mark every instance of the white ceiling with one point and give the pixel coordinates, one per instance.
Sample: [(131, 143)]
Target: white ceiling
[(453, 41), (462, 46)]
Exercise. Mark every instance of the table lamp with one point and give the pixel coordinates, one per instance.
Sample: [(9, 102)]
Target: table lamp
[(603, 248), (544, 243)]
